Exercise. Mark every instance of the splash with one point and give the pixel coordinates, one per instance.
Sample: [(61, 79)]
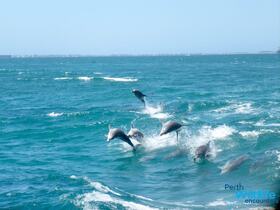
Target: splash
[(206, 134), (158, 142), (84, 78), (156, 111), (54, 114)]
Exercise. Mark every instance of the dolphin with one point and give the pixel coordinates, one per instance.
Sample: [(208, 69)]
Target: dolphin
[(234, 164), (135, 133), (171, 126), (118, 133), (202, 151), (140, 96)]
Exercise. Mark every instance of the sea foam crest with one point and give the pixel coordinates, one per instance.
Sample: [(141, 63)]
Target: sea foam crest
[(250, 134), (121, 79), (54, 114), (85, 78), (220, 202), (63, 78), (237, 108), (103, 195)]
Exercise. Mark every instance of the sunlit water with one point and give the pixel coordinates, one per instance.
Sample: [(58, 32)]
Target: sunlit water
[(55, 112)]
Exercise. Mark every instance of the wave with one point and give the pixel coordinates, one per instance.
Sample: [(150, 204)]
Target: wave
[(54, 114), (220, 202), (63, 78), (262, 124), (120, 79), (250, 134), (237, 108), (103, 196), (57, 114), (85, 78)]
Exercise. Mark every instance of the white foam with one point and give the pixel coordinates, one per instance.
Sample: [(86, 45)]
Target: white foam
[(273, 125), (73, 177), (243, 122), (102, 193), (157, 142), (120, 79), (252, 134), (220, 202), (63, 78), (142, 197), (206, 134), (244, 108), (156, 112), (98, 186), (219, 132), (98, 73), (237, 108), (190, 107), (262, 124), (84, 78), (274, 152), (87, 201), (54, 114)]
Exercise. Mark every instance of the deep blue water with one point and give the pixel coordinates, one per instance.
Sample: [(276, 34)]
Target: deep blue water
[(55, 112)]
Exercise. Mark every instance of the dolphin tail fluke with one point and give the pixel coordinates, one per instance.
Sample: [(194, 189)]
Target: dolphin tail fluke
[(144, 102), (127, 140)]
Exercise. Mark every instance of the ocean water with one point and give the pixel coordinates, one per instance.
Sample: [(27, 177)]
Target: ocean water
[(55, 112)]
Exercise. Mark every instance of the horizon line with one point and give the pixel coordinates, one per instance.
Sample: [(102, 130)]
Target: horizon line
[(135, 55)]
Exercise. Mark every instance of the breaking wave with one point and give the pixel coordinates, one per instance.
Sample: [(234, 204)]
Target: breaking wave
[(121, 79), (102, 196)]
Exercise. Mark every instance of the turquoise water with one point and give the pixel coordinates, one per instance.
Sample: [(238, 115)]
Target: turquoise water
[(55, 112)]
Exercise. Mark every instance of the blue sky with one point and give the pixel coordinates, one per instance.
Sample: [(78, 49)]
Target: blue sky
[(138, 27)]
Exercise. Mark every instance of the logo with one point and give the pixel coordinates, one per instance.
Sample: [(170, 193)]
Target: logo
[(259, 196)]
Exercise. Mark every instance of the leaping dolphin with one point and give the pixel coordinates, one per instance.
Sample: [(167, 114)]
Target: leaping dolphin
[(135, 133), (171, 126), (140, 96), (202, 151), (118, 133), (234, 164)]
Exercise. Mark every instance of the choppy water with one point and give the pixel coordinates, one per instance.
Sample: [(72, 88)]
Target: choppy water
[(54, 116)]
